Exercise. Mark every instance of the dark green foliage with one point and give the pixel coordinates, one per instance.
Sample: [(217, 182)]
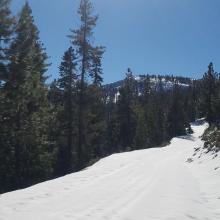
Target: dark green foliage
[(89, 64), (191, 101), (25, 114), (113, 128), (96, 130), (79, 132), (6, 32), (147, 116), (177, 117), (81, 40), (126, 112), (210, 92), (6, 27), (66, 113), (142, 138), (210, 106), (212, 138), (96, 67)]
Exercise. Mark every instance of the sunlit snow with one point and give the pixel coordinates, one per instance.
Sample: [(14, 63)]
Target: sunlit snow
[(153, 184)]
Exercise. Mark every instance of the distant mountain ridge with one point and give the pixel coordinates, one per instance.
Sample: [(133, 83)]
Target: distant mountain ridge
[(156, 81)]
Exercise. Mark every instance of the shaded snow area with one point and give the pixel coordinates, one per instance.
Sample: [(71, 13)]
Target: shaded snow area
[(156, 184)]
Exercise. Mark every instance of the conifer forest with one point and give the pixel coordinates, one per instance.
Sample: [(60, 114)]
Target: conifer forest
[(53, 127)]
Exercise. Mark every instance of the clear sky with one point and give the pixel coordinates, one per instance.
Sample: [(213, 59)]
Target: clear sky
[(177, 37)]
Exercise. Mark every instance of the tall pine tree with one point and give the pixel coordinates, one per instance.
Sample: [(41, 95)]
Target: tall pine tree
[(177, 117), (96, 119), (67, 114), (210, 96), (126, 112), (96, 65), (7, 22), (81, 39), (26, 107)]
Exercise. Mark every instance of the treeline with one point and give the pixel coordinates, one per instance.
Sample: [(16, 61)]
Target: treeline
[(47, 131)]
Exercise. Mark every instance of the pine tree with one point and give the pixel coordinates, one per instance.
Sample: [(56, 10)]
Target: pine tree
[(96, 127), (177, 117), (96, 113), (67, 113), (55, 95), (112, 124), (161, 121), (126, 112), (142, 134), (6, 24), (209, 93), (141, 139), (81, 40), (191, 101), (96, 67), (26, 115), (6, 30)]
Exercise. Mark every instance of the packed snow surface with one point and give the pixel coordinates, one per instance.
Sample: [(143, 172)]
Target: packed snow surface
[(155, 184)]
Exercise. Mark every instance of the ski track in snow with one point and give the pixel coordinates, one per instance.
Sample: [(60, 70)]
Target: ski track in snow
[(152, 184)]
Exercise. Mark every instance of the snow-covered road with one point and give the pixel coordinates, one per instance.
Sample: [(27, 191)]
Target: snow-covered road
[(153, 184)]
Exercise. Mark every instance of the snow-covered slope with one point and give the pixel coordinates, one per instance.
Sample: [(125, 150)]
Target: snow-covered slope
[(156, 82), (153, 184)]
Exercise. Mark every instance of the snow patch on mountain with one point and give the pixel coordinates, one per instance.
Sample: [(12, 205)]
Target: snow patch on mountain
[(112, 90)]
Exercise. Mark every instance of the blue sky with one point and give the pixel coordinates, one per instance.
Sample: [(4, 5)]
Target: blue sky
[(177, 37)]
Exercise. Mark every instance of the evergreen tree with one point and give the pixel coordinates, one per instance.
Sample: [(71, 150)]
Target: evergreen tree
[(96, 130), (210, 93), (112, 124), (26, 111), (177, 117), (96, 67), (142, 136), (113, 132), (6, 30), (162, 108), (55, 95), (191, 101), (81, 39), (141, 139), (126, 112), (96, 110), (67, 113), (6, 24)]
